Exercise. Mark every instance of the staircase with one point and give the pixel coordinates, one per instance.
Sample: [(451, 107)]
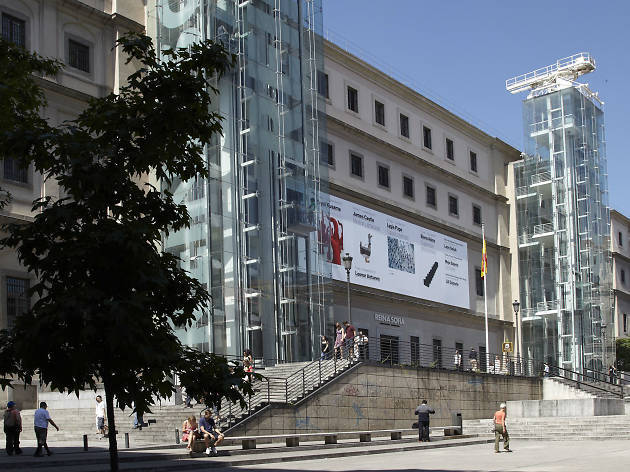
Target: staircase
[(591, 388), (557, 428), (281, 384)]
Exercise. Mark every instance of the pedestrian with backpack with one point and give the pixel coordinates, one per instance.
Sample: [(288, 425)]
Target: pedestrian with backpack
[(12, 429)]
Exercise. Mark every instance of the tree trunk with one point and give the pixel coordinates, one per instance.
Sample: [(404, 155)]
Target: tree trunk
[(111, 424)]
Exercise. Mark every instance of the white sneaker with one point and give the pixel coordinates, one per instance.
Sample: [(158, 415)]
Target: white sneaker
[(207, 451)]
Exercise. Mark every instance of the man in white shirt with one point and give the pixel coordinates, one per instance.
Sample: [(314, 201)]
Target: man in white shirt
[(100, 416), (41, 420)]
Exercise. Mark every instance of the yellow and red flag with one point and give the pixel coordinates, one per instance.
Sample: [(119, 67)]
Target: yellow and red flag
[(484, 259)]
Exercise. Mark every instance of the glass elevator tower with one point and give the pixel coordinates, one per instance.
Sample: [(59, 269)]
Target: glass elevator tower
[(253, 237), (563, 219)]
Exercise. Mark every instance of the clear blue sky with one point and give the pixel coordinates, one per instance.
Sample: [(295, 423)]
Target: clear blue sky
[(461, 52)]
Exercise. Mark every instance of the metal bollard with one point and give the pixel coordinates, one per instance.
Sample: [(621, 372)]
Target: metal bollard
[(85, 442), (176, 436), (127, 440)]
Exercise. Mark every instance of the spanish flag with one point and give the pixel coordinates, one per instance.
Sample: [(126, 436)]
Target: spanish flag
[(484, 259)]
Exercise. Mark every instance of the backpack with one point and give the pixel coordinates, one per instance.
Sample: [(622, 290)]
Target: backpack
[(10, 419)]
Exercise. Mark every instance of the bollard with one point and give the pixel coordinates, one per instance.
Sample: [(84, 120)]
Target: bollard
[(85, 442), (127, 440), (176, 436)]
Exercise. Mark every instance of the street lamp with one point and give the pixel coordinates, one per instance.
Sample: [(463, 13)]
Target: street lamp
[(347, 263), (516, 305)]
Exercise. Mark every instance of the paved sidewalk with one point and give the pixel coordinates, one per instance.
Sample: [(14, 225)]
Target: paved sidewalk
[(528, 456)]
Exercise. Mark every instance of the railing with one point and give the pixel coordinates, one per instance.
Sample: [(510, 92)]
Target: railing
[(589, 378), (543, 229), (541, 177)]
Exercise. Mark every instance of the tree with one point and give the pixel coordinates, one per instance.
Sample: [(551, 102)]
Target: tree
[(623, 353), (107, 297)]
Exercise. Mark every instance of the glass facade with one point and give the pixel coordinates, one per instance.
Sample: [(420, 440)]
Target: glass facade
[(563, 225), (253, 234)]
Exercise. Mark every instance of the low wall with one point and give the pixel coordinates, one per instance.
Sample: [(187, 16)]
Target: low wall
[(371, 397), (566, 407)]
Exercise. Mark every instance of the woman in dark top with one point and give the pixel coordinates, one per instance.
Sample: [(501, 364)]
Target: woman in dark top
[(325, 347)]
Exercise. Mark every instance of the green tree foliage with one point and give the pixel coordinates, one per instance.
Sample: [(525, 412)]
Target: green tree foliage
[(623, 353), (107, 297)]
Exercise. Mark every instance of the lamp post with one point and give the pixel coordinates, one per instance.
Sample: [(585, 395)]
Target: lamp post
[(516, 305), (347, 263), (604, 326)]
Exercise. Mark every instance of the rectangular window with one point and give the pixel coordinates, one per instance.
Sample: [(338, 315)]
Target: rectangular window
[(353, 99), (383, 176), (379, 112), (450, 149), (426, 137), (414, 344), (407, 186), (404, 125), (389, 349), (476, 214), (453, 206), (478, 282), (14, 171), (14, 30), (17, 298), (322, 84), (473, 161), (431, 199), (625, 323), (620, 239), (623, 276), (326, 153), (356, 165), (437, 353), (78, 56)]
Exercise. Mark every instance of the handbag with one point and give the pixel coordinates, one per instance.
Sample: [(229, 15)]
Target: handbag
[(414, 425)]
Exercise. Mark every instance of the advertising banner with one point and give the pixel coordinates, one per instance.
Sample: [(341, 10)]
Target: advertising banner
[(394, 255)]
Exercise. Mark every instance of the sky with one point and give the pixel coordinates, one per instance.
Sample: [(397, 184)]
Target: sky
[(460, 52)]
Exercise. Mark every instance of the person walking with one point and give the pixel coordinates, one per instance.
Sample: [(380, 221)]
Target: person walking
[(612, 374), (546, 370), (339, 335), (423, 411), (12, 429), (325, 348), (41, 420), (472, 358), (500, 429), (457, 360), (350, 332), (248, 364), (100, 416)]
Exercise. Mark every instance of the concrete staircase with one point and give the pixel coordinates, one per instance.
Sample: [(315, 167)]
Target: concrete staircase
[(557, 428), (589, 389), (281, 383)]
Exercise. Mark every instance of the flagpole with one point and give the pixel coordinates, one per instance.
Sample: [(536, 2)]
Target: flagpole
[(485, 292)]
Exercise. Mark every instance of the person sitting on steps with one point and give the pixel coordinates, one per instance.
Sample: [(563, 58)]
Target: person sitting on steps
[(211, 434)]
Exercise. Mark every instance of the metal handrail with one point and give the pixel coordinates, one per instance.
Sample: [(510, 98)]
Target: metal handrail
[(586, 379)]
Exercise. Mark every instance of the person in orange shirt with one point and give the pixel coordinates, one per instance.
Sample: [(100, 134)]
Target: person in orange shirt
[(500, 429)]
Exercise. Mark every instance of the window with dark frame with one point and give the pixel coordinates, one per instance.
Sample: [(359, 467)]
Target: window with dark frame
[(383, 176), (78, 55), (379, 112), (476, 214), (18, 301), (353, 99), (478, 282), (326, 153), (404, 125), (426, 137), (407, 186), (453, 205), (623, 276), (450, 149), (14, 30), (356, 165), (322, 84), (389, 349), (437, 353), (625, 323), (620, 239), (473, 161), (431, 200), (414, 344), (12, 170)]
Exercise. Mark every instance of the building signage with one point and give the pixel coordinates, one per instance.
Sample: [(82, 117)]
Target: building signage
[(507, 346), (389, 319), (394, 255)]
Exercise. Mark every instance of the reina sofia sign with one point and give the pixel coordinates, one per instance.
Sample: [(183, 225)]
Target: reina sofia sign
[(389, 319)]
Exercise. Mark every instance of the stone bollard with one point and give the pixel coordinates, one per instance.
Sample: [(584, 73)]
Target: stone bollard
[(127, 440), (85, 442), (176, 436)]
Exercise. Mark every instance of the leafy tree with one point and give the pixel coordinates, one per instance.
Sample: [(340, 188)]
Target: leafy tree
[(107, 297), (623, 353)]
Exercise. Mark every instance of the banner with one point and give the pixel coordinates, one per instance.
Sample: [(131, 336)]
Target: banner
[(394, 255)]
